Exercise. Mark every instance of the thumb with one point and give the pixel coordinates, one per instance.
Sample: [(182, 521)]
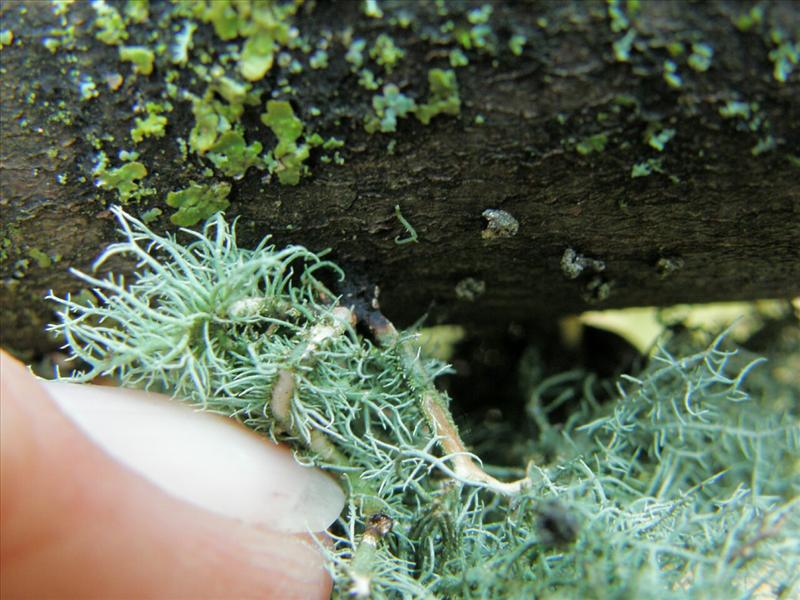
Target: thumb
[(77, 522)]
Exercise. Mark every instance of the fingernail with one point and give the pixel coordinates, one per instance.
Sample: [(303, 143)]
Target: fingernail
[(205, 459)]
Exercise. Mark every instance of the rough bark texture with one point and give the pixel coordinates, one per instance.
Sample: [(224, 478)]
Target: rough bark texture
[(563, 125)]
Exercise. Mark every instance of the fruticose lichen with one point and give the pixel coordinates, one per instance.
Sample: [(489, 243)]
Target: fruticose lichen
[(680, 482)]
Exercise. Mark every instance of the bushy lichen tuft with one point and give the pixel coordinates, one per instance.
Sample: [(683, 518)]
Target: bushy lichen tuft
[(683, 484)]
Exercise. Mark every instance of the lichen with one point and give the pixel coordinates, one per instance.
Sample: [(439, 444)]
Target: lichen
[(659, 140), (443, 97), (287, 158), (6, 38), (142, 58), (41, 258), (153, 125), (110, 24), (594, 143), (470, 289), (386, 53), (784, 55), (517, 44), (388, 106), (499, 224), (233, 156), (574, 264), (198, 202), (701, 56), (123, 179), (137, 10)]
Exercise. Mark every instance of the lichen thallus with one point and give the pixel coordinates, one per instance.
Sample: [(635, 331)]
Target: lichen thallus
[(255, 334)]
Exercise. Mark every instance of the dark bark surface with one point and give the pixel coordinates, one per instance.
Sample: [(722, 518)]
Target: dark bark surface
[(550, 136)]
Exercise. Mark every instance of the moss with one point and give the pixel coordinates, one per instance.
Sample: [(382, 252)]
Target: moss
[(198, 202), (231, 154), (443, 98), (594, 143), (141, 57), (388, 106), (386, 53), (123, 179)]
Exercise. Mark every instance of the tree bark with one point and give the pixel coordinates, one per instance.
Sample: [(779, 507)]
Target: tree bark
[(551, 135)]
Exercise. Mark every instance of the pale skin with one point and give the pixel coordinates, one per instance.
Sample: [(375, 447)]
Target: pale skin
[(77, 524)]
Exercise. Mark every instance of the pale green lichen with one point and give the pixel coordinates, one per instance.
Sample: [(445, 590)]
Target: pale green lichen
[(386, 53), (457, 58), (367, 80), (516, 44), (372, 9), (231, 154), (142, 58), (153, 125), (150, 215), (659, 140), (355, 53), (671, 75), (41, 258), (6, 37), (623, 494), (137, 11), (749, 20), (622, 46), (318, 60), (470, 289), (593, 143), (784, 55), (110, 24), (198, 202), (735, 109), (443, 97), (179, 51), (123, 179), (87, 88), (287, 159), (388, 106), (701, 56)]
